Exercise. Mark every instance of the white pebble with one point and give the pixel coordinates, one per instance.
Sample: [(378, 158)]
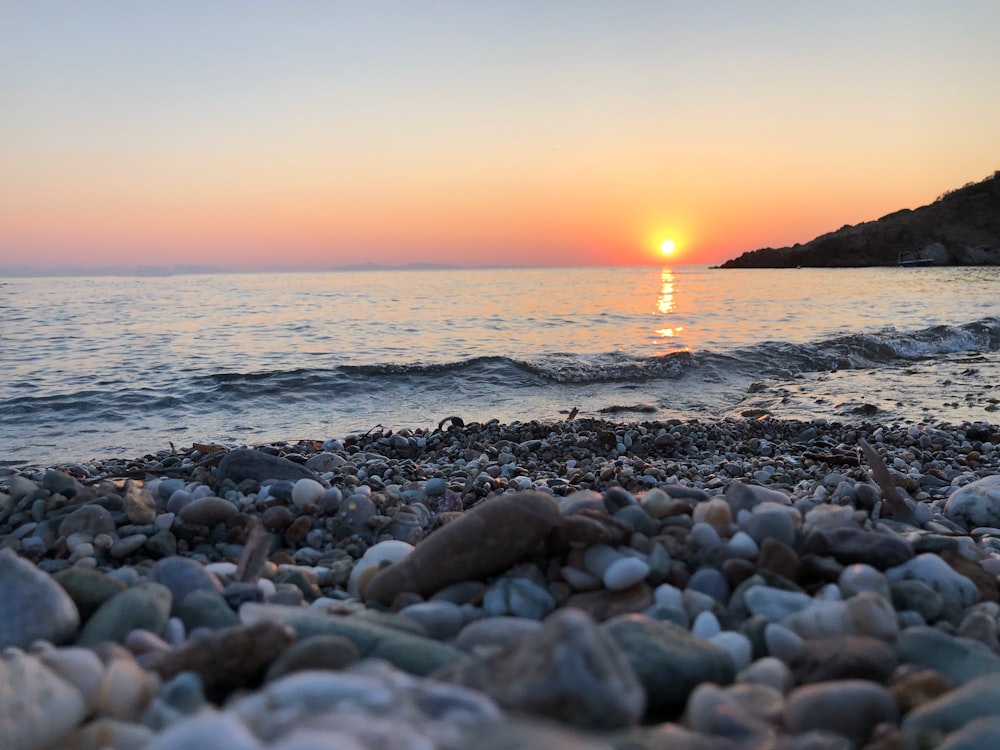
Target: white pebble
[(391, 550), (307, 492)]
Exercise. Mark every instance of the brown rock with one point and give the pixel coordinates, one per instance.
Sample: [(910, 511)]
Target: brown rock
[(569, 670), (138, 503), (919, 688), (277, 518), (484, 541), (843, 657), (300, 528), (779, 558), (226, 659), (207, 511), (594, 527), (604, 604), (971, 569)]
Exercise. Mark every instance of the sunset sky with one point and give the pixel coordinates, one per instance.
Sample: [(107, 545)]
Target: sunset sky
[(311, 134)]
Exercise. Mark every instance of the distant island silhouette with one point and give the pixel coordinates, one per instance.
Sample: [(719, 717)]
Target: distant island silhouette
[(961, 228)]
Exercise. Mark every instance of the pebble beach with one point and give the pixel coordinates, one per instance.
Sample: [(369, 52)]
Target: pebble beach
[(578, 584)]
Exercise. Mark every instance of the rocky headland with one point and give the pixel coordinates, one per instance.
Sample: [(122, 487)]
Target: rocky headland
[(961, 228), (585, 584)]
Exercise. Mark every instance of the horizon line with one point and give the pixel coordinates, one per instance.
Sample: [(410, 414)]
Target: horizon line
[(186, 269)]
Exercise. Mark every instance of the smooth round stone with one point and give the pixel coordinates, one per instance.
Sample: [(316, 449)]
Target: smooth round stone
[(182, 575), (441, 619), (32, 605), (826, 517), (207, 730), (696, 602), (771, 522), (864, 614), (668, 660), (975, 504), (178, 500), (206, 609), (88, 588), (714, 710), (492, 634), (207, 511), (126, 690), (638, 519), (307, 492), (80, 667), (388, 552), (146, 606), (852, 708), (90, 519), (657, 503), (598, 558), (957, 592), (625, 572), (667, 595), (581, 580), (710, 581), (961, 660), (168, 486), (127, 545), (706, 625), (769, 671), (716, 513), (161, 544), (775, 604), (918, 597), (737, 645), (435, 486), (332, 652), (37, 707), (742, 545), (857, 578), (518, 597), (704, 535), (782, 643)]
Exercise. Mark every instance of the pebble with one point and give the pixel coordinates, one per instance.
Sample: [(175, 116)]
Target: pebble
[(852, 708), (975, 504), (651, 552), (483, 541), (307, 492), (669, 660), (37, 707), (624, 573), (570, 669), (145, 606), (32, 605)]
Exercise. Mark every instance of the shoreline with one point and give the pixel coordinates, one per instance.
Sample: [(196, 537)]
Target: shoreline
[(524, 583)]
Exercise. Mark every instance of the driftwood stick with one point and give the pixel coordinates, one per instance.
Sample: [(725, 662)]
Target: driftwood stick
[(894, 503), (254, 556)]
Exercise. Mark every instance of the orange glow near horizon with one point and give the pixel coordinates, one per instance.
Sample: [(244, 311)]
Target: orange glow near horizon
[(135, 136)]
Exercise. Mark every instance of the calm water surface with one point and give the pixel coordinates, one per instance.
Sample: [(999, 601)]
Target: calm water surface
[(108, 366)]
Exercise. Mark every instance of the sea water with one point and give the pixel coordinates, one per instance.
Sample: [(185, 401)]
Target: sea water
[(115, 366)]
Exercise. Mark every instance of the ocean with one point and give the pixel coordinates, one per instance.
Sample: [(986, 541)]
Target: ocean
[(114, 366)]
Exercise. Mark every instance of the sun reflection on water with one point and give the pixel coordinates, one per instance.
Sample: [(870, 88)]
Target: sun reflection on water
[(665, 304)]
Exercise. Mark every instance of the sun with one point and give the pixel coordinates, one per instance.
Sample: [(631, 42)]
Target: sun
[(667, 247)]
